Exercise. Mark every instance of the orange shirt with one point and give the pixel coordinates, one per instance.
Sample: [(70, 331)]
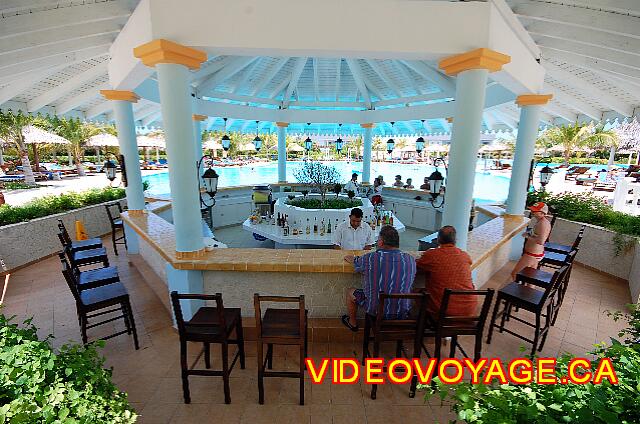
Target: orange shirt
[(448, 268)]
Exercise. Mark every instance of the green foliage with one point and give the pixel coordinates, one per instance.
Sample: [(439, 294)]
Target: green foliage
[(50, 205), (315, 174), (16, 185), (311, 203), (556, 403), (577, 136), (587, 208), (587, 161), (38, 385)]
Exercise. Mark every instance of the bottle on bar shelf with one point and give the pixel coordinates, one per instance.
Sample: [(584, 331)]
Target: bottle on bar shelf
[(315, 225), (285, 231), (308, 227), (336, 227), (328, 226), (322, 227), (278, 220), (391, 220)]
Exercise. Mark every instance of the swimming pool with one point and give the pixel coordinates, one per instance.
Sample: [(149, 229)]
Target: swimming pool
[(488, 187)]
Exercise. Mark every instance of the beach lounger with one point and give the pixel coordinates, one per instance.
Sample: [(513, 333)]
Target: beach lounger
[(576, 172)]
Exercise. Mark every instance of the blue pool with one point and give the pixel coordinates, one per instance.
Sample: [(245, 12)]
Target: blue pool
[(488, 187)]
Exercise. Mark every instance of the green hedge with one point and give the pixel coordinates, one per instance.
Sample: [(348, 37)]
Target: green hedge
[(49, 205), (588, 161), (329, 203), (39, 385), (587, 208)]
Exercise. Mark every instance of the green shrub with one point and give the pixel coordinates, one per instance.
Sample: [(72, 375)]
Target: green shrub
[(329, 203), (588, 161), (587, 208), (604, 403), (49, 205), (39, 385), (16, 185)]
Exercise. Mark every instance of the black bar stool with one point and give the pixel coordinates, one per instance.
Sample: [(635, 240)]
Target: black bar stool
[(396, 329), (208, 325), (94, 302), (84, 257), (538, 302), (92, 243), (280, 327), (116, 224), (563, 248)]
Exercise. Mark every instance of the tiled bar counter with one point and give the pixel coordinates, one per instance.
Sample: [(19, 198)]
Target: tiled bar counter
[(321, 275)]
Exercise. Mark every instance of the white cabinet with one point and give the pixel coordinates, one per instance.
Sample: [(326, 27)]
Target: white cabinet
[(416, 214), (231, 213)]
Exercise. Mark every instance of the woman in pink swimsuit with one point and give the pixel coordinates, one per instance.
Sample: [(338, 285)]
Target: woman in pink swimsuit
[(534, 239)]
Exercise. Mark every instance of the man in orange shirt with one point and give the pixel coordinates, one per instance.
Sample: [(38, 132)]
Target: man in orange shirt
[(448, 267)]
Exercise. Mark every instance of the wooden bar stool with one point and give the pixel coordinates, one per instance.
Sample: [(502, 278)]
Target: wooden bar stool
[(92, 243), (390, 328), (280, 327), (538, 302), (81, 258), (446, 325), (93, 278), (208, 325), (564, 248), (116, 224), (96, 302)]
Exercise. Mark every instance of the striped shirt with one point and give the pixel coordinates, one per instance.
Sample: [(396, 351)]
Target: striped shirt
[(389, 271)]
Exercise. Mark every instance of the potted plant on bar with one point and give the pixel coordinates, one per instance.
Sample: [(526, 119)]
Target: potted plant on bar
[(319, 176)]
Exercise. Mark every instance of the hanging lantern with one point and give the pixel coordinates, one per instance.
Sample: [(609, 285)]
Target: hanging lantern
[(545, 175), (390, 145), (308, 144), (226, 141), (435, 183), (110, 170), (210, 179), (339, 143), (419, 144), (257, 141)]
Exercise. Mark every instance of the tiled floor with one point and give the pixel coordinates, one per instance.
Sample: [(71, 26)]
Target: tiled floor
[(151, 375)]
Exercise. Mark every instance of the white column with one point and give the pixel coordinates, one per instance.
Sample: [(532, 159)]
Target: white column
[(282, 151), (173, 83), (366, 153), (465, 142), (197, 134), (472, 70), (123, 113), (1, 156)]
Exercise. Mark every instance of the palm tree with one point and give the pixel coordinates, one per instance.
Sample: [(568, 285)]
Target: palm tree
[(11, 126), (377, 146), (602, 139), (575, 136), (78, 133)]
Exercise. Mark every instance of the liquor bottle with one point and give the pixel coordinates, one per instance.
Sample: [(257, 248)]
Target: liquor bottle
[(322, 227), (308, 227), (378, 220), (315, 225), (335, 229), (328, 226), (391, 220), (285, 231)]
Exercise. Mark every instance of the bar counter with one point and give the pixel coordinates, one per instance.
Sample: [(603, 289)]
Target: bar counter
[(320, 274)]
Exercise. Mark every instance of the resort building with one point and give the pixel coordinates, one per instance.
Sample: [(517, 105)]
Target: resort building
[(426, 94)]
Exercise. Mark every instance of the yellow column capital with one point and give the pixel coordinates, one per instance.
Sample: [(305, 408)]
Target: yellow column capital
[(475, 59), (165, 51), (533, 99), (367, 125), (197, 117), (282, 124), (125, 95)]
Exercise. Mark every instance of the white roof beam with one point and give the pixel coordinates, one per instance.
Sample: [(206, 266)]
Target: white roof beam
[(16, 87), (590, 37), (590, 63), (560, 111), (298, 67), (16, 71), (199, 75), (516, 26), (628, 59), (624, 82), (629, 7), (225, 73), (489, 121), (412, 99), (81, 98), (152, 118), (578, 16), (358, 105), (40, 52), (579, 105), (338, 77), (444, 124), (269, 75), (384, 77), (145, 112), (357, 76), (446, 84), (279, 88), (316, 79), (247, 74), (509, 122), (402, 69), (64, 16), (71, 84), (11, 6), (576, 82), (241, 98), (57, 36), (98, 109)]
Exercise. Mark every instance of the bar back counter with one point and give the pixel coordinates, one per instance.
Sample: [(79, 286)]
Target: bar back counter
[(320, 274)]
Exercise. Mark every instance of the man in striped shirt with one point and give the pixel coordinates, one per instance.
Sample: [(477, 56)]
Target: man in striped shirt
[(389, 270)]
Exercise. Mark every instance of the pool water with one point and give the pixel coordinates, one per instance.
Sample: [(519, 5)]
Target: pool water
[(488, 187)]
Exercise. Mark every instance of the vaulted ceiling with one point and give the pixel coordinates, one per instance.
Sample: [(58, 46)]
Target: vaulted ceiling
[(54, 56)]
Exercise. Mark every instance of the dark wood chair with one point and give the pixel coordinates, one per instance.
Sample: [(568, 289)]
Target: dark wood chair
[(564, 248), (210, 324), (92, 243), (92, 278), (280, 327), (391, 328), (445, 325), (538, 302), (82, 258), (113, 212), (99, 301)]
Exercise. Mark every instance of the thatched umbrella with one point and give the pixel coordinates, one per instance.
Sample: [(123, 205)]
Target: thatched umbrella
[(34, 136)]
